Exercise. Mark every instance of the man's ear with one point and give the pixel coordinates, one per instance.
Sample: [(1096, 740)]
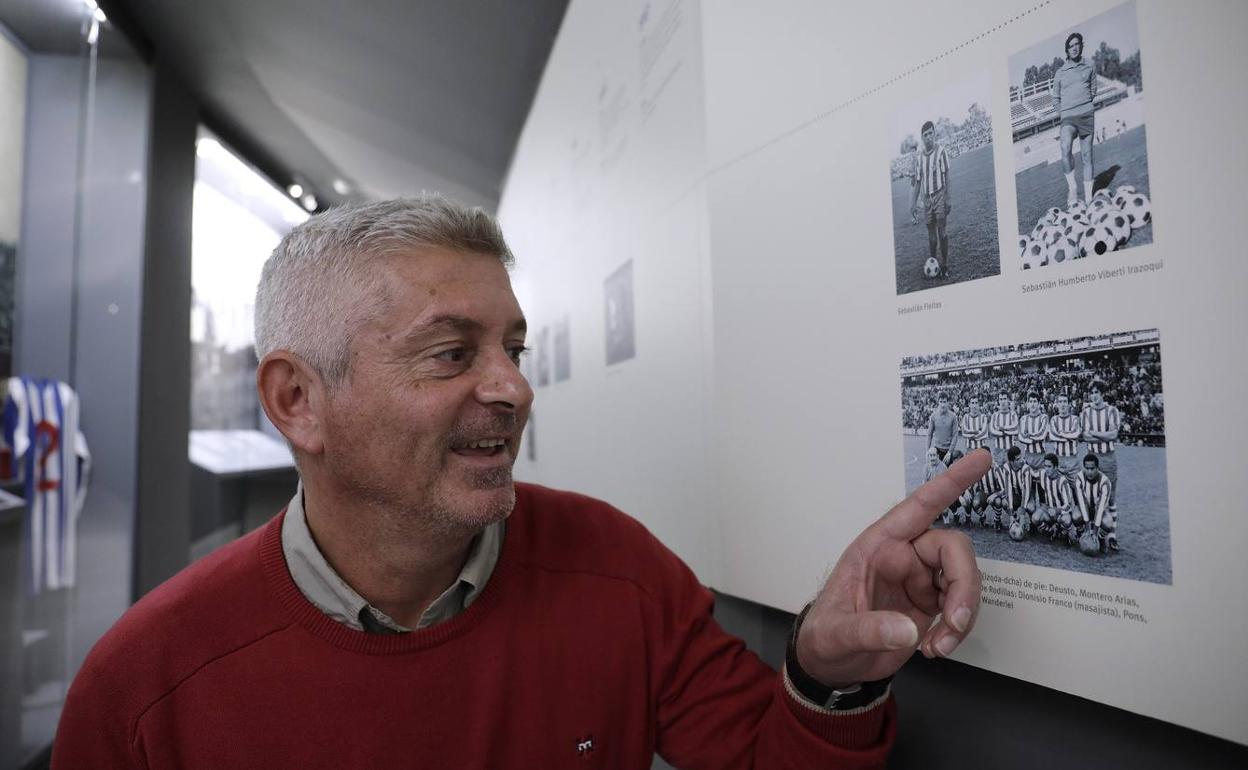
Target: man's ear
[(292, 394)]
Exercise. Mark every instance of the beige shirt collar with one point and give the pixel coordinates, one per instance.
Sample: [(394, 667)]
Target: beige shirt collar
[(326, 589)]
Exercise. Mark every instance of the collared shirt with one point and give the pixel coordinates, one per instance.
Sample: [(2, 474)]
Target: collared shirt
[(1074, 87), (326, 589)]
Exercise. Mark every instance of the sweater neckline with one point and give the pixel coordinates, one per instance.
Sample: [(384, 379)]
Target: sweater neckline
[(310, 617)]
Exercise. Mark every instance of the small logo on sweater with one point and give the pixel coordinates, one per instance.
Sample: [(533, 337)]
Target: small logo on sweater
[(585, 746)]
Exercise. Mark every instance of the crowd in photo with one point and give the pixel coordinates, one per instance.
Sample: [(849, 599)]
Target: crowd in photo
[(1132, 376)]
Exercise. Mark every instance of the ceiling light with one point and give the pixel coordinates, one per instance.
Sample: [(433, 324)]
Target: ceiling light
[(295, 190), (99, 15), (309, 202), (341, 187)]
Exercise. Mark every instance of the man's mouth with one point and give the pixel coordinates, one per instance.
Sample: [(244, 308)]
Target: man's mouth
[(486, 447)]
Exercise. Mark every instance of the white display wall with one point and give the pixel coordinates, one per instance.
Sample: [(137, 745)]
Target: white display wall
[(746, 161)]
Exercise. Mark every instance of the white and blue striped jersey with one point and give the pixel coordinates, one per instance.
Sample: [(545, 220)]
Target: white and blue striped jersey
[(49, 455)]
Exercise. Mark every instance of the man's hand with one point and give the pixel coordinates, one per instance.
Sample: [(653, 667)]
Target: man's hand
[(891, 583)]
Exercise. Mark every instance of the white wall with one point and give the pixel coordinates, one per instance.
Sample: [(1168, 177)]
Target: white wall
[(757, 430)]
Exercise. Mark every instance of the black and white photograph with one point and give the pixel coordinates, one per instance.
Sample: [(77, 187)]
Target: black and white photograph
[(621, 339), (944, 188), (563, 349), (13, 77), (1080, 155), (543, 357), (1078, 439)]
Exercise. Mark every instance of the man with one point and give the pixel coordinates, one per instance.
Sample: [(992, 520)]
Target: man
[(942, 427), (1101, 422), (1065, 430), (1074, 88), (1093, 491), (1033, 429), (931, 186), (1003, 427), (1013, 495), (973, 428), (1055, 512), (413, 606)]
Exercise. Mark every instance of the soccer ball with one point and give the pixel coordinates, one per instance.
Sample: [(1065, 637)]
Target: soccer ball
[(1062, 220), (931, 268), (1050, 216), (1037, 232), (1052, 234), (1090, 542), (1119, 225), (1098, 240), (1017, 533), (1099, 204), (1138, 210), (1077, 208), (1023, 242), (1103, 193), (1035, 255), (1062, 250), (1122, 193)]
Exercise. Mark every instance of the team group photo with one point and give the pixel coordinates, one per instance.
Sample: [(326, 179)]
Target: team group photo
[(944, 188), (1080, 155), (1076, 428)]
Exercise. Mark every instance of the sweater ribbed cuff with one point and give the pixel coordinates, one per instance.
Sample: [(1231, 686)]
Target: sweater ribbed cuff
[(858, 728)]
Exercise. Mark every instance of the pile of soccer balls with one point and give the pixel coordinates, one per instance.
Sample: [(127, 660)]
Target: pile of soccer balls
[(1099, 226)]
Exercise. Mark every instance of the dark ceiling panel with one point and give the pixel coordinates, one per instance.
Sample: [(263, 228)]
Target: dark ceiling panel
[(394, 96)]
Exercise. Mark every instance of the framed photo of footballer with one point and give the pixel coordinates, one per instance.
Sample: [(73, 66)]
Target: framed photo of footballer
[(563, 349), (13, 77), (620, 330), (1078, 438), (944, 188), (1080, 155), (543, 356)]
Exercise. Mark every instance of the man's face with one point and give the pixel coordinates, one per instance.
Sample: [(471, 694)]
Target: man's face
[(1074, 50), (1063, 406), (1090, 470), (1050, 469), (929, 139), (974, 407), (1033, 406), (943, 405), (1096, 397), (1003, 403), (429, 421)]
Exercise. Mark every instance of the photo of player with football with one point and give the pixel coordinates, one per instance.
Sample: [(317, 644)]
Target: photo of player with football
[(944, 189), (1078, 437), (1080, 157)]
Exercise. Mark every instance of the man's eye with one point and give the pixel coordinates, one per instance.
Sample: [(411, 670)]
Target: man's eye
[(454, 355), (517, 353)]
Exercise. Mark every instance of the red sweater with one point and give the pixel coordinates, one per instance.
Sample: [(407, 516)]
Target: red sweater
[(592, 646)]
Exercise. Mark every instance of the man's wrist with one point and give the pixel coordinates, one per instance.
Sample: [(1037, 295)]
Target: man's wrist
[(850, 697)]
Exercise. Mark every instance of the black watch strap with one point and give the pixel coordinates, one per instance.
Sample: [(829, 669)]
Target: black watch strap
[(838, 699)]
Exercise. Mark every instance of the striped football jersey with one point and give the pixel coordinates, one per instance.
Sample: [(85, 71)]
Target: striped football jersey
[(1003, 427), (932, 170), (974, 429), (51, 458), (1103, 420), (1032, 431), (1056, 492), (1093, 496), (1065, 431)]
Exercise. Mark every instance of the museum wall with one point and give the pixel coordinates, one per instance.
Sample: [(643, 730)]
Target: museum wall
[(757, 387)]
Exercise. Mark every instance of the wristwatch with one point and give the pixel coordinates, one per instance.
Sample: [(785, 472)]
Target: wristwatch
[(845, 698)]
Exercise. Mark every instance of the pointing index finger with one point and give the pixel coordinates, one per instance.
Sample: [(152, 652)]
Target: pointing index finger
[(912, 516)]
